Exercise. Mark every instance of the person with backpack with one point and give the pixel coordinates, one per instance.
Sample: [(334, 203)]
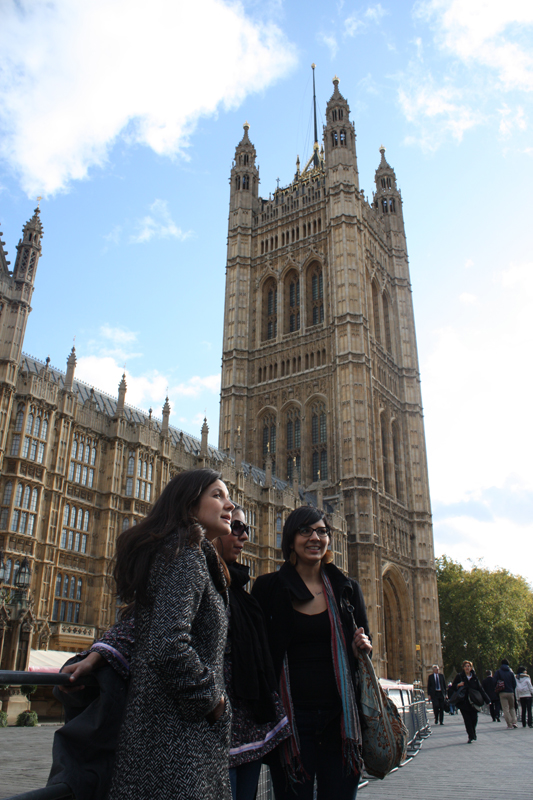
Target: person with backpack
[(505, 688)]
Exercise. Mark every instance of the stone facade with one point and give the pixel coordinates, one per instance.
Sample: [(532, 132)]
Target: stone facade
[(76, 468), (320, 372)]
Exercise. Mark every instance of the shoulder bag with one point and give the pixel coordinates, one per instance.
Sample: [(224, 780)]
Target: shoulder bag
[(458, 697), (500, 685), (475, 698)]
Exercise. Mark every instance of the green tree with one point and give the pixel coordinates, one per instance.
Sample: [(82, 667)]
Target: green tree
[(485, 616)]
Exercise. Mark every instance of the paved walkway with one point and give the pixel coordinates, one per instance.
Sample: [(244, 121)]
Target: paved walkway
[(499, 764)]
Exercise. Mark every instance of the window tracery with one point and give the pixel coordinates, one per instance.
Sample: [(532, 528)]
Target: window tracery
[(293, 427), (83, 459), (319, 439), (24, 509), (75, 524), (68, 596)]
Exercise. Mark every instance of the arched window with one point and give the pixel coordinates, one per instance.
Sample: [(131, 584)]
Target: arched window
[(74, 448), (334, 115), (66, 514), (293, 443), (20, 418), (385, 205), (8, 491), (334, 138), (386, 322), (131, 464), (125, 523), (375, 310), (292, 302), (65, 586), (18, 494), (37, 427), (237, 182), (392, 205), (34, 498), (341, 113), (245, 181), (26, 497), (29, 423), (343, 138), (270, 310), (9, 567), (315, 295), (385, 455), (319, 442), (44, 430), (79, 524), (86, 521), (59, 581)]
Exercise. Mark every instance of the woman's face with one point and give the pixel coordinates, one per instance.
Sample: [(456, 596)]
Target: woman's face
[(214, 510), (468, 669), (310, 549), (231, 546)]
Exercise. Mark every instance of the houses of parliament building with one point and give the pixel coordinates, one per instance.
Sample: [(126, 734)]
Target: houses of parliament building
[(320, 404)]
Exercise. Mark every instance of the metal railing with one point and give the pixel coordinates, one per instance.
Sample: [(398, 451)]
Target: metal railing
[(413, 714)]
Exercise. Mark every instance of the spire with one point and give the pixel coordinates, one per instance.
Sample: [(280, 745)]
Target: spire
[(383, 162), (122, 388), (245, 139), (166, 416), (315, 146), (29, 249), (387, 199), (203, 447), (71, 367)]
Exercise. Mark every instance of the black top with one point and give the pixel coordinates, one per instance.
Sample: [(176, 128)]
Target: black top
[(275, 593), (311, 673)]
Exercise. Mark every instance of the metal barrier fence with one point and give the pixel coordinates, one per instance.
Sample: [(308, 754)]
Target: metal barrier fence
[(410, 702)]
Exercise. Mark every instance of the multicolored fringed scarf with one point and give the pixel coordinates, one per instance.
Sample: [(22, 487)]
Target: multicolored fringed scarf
[(350, 726), (352, 746)]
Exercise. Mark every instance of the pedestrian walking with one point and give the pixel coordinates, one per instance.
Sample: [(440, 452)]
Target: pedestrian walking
[(451, 707), (524, 694), (472, 697), (494, 707), (316, 620), (505, 687), (437, 693)]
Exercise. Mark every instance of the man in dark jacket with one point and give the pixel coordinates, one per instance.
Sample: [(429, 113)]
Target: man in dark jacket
[(437, 693), (506, 676), (495, 707)]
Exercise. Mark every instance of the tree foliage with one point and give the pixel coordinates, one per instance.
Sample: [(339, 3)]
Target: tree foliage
[(485, 616)]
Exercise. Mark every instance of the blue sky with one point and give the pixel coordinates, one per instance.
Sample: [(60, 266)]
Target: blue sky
[(124, 116)]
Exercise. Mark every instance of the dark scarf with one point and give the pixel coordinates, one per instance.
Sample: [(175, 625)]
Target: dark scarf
[(254, 680)]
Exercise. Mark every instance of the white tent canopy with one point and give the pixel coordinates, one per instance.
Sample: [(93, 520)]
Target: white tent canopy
[(47, 660)]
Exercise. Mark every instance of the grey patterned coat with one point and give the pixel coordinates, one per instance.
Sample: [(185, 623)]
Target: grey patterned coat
[(167, 749)]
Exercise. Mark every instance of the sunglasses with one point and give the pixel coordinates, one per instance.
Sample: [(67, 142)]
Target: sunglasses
[(238, 528)]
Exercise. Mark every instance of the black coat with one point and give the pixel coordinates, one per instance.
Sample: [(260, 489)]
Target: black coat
[(488, 684), (432, 685), (275, 592), (473, 683)]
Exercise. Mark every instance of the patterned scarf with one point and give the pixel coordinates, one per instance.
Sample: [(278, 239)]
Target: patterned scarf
[(352, 747), (350, 726)]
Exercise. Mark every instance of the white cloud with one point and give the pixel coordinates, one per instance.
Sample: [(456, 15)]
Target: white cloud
[(474, 381), (469, 263), (117, 335), (359, 21), (159, 225), (509, 120), (468, 299), (330, 40), (76, 76), (486, 32), (104, 372)]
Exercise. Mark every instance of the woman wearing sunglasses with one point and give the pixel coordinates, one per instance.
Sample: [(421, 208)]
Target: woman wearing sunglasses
[(316, 621), (259, 721)]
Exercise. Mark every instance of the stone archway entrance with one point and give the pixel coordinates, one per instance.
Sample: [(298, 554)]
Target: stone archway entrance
[(399, 632)]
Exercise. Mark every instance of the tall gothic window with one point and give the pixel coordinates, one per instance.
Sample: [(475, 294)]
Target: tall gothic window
[(397, 462), (270, 310), (375, 310), (316, 299), (385, 455), (24, 509), (386, 322), (319, 440), (75, 523), (293, 426), (68, 595), (292, 300), (269, 440), (83, 459)]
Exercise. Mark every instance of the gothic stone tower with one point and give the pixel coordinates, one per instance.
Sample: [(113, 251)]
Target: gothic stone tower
[(320, 372)]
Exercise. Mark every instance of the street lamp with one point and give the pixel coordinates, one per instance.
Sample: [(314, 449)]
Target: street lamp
[(23, 576)]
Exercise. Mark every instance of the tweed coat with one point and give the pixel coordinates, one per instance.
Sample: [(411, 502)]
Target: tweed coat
[(167, 749)]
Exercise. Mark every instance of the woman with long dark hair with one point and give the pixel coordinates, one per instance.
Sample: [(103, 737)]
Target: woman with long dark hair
[(316, 620), (259, 720), (174, 740)]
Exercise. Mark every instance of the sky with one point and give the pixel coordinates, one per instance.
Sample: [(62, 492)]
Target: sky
[(124, 116)]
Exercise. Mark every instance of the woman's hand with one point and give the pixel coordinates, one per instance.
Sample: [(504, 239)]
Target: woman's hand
[(80, 669), (217, 712), (460, 684), (361, 641)]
